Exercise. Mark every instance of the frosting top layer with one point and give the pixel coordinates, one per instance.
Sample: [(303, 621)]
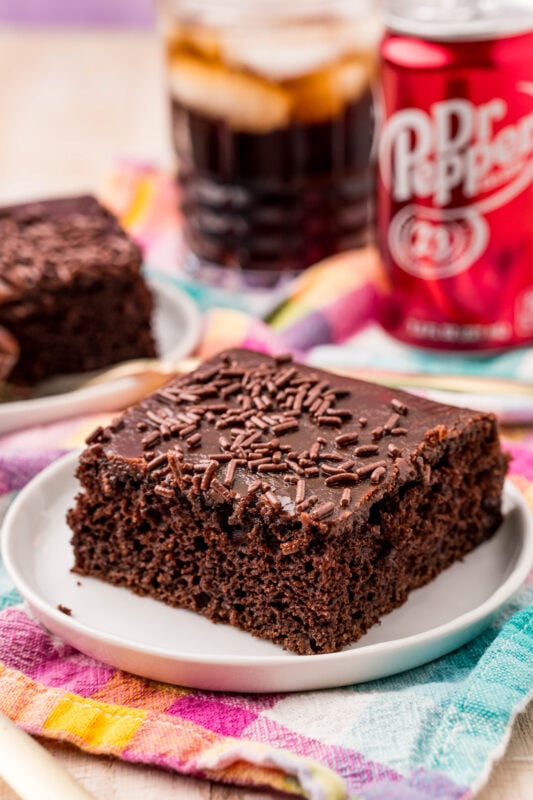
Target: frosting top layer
[(52, 244), (305, 441)]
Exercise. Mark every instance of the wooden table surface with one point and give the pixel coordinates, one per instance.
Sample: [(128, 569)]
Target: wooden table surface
[(70, 103)]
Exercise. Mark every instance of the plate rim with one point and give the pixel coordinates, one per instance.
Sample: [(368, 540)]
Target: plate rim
[(155, 282), (516, 577)]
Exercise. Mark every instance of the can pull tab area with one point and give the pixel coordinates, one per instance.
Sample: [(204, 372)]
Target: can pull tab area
[(453, 10), (459, 19)]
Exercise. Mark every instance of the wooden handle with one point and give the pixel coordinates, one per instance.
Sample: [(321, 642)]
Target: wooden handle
[(31, 771)]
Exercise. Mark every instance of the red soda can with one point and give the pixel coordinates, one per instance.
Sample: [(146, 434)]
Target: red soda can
[(455, 188)]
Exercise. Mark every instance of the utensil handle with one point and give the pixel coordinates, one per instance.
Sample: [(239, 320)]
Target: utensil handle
[(449, 383), (31, 771)]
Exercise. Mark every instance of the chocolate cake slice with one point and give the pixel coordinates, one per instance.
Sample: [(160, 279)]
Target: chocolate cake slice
[(298, 505), (71, 291)]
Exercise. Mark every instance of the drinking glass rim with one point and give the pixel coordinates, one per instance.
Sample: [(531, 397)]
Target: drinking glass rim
[(242, 12)]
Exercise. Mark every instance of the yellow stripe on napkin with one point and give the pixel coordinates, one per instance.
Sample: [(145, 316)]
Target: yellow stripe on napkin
[(94, 724)]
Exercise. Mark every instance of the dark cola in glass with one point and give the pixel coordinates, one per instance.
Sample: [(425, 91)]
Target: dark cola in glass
[(272, 121)]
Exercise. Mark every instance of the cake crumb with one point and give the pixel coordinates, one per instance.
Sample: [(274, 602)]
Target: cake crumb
[(64, 609)]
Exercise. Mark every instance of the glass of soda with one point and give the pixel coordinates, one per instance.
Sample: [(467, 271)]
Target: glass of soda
[(272, 124)]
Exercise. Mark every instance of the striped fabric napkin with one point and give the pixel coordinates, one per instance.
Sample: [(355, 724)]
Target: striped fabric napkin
[(432, 732)]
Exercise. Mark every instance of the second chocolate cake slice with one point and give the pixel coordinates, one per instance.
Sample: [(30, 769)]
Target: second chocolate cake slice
[(298, 505), (71, 290)]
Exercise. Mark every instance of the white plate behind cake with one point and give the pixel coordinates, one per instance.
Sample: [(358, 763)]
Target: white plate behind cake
[(177, 325), (148, 638)]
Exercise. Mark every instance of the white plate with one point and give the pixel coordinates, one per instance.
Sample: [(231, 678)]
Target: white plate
[(148, 638), (177, 324)]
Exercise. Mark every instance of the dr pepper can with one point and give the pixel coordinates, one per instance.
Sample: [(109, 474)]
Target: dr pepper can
[(455, 187)]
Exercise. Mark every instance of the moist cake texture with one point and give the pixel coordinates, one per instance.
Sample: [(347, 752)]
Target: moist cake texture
[(71, 292), (298, 505)]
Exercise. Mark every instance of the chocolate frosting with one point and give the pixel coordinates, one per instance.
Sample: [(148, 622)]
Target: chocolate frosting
[(307, 443), (49, 245)]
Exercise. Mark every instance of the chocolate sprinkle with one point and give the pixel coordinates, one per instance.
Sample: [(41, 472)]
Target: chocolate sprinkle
[(342, 477), (366, 450), (331, 457), (150, 438), (294, 466), (334, 421), (286, 427), (346, 497), (323, 510), (272, 499), (393, 451), (259, 423), (314, 452), (401, 408), (343, 413), (96, 434), (391, 422), (222, 458), (298, 400), (227, 391), (164, 491), (329, 469), (220, 489), (218, 408), (188, 397), (209, 474), (234, 372), (156, 462), (308, 503), (230, 473), (315, 405), (362, 472), (188, 429), (290, 478), (378, 474), (346, 439), (300, 491), (272, 467), (347, 465), (284, 377), (323, 408), (205, 375)]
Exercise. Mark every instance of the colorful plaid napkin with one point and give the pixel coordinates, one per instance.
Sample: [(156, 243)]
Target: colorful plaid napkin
[(432, 732)]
